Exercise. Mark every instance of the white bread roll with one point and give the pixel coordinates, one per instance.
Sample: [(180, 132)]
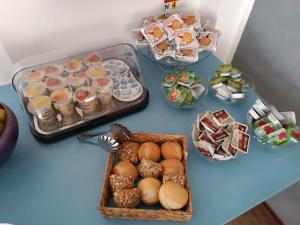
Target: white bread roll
[(149, 188), (149, 150), (171, 150), (172, 195)]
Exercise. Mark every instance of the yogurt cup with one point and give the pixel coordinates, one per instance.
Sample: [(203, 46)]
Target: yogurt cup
[(73, 65), (34, 89), (35, 76), (55, 83), (86, 98), (77, 79), (53, 70), (41, 106), (96, 72), (104, 87), (63, 101), (93, 60)]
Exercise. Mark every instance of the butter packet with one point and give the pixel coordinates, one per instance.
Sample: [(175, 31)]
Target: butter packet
[(185, 38), (154, 33), (162, 50)]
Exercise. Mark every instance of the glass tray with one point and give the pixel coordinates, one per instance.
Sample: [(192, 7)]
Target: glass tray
[(103, 112)]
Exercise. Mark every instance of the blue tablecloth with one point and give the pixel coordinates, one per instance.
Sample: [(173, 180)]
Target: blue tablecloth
[(60, 183)]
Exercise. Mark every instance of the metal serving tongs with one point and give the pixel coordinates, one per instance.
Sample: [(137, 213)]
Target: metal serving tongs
[(120, 132)]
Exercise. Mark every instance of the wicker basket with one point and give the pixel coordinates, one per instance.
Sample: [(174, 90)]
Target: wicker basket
[(145, 214)]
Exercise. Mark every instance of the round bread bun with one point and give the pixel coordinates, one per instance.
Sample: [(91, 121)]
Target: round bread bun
[(149, 150), (149, 188), (172, 195), (171, 150), (124, 168), (172, 167)]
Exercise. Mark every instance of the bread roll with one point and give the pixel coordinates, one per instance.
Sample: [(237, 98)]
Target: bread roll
[(172, 167), (171, 150), (149, 150), (149, 188), (127, 198), (172, 195), (124, 168)]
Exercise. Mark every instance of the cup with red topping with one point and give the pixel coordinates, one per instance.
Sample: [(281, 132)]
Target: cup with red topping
[(55, 83), (86, 98), (63, 101), (104, 87), (93, 60), (54, 70), (77, 79), (73, 65), (41, 107), (35, 76)]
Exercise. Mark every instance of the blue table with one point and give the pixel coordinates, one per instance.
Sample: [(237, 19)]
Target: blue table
[(59, 183)]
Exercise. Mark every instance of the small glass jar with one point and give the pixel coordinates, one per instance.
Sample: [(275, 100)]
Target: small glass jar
[(33, 89), (35, 76), (96, 72), (104, 87), (77, 79), (93, 60), (41, 107), (63, 102), (86, 98), (55, 83), (73, 65), (54, 70)]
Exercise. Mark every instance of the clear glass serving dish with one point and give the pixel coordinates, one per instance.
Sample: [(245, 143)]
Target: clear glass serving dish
[(67, 95), (213, 91)]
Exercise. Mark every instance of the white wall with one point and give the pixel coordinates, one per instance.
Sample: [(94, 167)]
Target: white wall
[(32, 27)]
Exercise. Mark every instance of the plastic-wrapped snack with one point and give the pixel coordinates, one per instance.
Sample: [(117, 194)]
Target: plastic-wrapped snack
[(262, 121), (162, 17), (185, 38), (77, 79), (191, 19), (208, 40), (186, 79), (224, 70), (148, 20), (169, 80), (263, 131), (187, 54), (175, 95), (279, 137), (294, 133), (204, 22), (172, 23), (154, 33), (138, 38), (54, 70), (162, 50), (96, 72)]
